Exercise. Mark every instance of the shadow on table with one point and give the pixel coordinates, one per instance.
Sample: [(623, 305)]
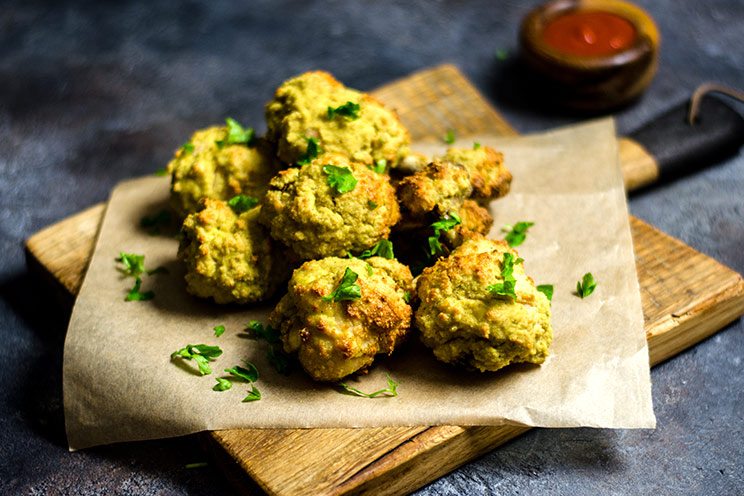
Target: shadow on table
[(34, 392)]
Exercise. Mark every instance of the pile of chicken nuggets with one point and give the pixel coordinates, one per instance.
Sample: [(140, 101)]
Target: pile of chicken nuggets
[(333, 210)]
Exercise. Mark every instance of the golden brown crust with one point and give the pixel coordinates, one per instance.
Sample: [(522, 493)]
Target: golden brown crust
[(465, 323), (335, 339), (229, 256), (305, 213), (488, 174), (439, 188)]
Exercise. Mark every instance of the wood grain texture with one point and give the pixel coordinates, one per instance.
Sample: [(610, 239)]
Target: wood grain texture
[(686, 297), (639, 167)]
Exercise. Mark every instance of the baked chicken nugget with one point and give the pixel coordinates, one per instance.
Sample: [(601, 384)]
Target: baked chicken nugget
[(229, 256), (329, 207), (468, 315), (343, 120), (488, 175), (208, 166), (339, 313)]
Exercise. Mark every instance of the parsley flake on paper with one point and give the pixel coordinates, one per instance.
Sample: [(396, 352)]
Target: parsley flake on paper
[(134, 266), (219, 330), (201, 353), (506, 288), (449, 138), (222, 384), (349, 111), (347, 289), (517, 233), (586, 286), (340, 178), (274, 354), (254, 395), (389, 392), (249, 374)]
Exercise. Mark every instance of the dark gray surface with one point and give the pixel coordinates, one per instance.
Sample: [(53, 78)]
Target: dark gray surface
[(95, 92)]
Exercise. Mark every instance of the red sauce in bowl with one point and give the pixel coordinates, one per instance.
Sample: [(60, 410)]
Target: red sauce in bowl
[(589, 33)]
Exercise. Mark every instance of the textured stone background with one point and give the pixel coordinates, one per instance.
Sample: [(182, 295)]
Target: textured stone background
[(95, 92)]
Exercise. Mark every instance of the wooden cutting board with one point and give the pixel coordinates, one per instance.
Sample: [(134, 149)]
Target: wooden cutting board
[(686, 297)]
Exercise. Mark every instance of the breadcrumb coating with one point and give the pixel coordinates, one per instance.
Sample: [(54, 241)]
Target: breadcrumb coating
[(333, 339)]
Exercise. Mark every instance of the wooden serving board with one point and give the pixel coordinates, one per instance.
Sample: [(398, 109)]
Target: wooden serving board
[(686, 297)]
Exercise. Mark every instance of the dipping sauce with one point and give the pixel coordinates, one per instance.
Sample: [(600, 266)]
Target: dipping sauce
[(589, 33)]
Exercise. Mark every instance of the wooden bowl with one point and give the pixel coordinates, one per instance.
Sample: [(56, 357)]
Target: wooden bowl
[(598, 82)]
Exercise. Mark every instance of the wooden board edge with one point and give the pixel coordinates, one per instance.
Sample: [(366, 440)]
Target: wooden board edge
[(422, 459)]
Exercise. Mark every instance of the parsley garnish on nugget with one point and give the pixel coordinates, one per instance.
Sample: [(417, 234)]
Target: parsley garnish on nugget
[(506, 288), (340, 178), (586, 286), (242, 203), (383, 248), (237, 135), (346, 290), (349, 111), (312, 151), (443, 224)]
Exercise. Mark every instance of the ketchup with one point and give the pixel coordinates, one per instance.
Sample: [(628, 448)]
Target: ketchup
[(589, 33)]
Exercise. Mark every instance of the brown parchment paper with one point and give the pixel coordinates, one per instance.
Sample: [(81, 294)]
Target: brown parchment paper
[(121, 385)]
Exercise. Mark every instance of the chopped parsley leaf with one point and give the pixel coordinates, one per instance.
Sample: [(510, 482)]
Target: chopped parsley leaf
[(390, 391), (268, 333), (383, 248), (274, 354), (349, 111), (547, 290), (407, 297), (517, 232), (449, 138), (586, 286), (136, 295), (443, 224), (380, 166), (187, 148), (372, 205), (278, 360), (476, 145), (506, 288), (222, 384), (369, 269), (254, 395), (219, 330), (237, 135), (242, 203), (162, 172), (313, 150), (134, 265), (346, 290), (250, 374), (340, 178), (201, 353)]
